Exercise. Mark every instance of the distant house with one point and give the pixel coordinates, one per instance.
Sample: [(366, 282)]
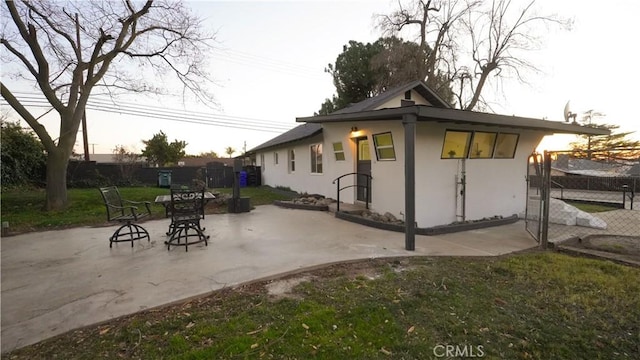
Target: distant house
[(427, 161), (110, 158), (204, 160), (568, 166)]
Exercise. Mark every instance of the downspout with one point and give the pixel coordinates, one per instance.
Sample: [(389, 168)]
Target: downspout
[(463, 190)]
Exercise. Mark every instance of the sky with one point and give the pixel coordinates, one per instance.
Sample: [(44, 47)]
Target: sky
[(269, 59)]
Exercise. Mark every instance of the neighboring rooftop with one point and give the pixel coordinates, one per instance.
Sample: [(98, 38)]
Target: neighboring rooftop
[(588, 167)]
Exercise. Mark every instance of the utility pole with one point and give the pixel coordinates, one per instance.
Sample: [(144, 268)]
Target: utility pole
[(85, 137)]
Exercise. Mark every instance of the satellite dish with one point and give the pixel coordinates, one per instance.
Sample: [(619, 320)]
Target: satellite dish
[(567, 112)]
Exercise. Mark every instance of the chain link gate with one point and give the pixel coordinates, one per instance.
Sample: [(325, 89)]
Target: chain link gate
[(588, 197), (537, 204), (533, 210)]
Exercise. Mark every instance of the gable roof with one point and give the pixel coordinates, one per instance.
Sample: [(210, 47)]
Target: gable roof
[(438, 111), (297, 133), (376, 101)]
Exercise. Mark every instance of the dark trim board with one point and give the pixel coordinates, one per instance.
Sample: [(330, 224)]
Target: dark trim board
[(435, 230), (452, 228)]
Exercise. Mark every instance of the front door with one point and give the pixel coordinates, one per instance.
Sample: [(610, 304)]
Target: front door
[(363, 167)]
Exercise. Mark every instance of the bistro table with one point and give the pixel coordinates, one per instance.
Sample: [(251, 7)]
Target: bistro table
[(165, 200)]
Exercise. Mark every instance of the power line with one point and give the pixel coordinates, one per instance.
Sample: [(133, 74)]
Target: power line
[(185, 117), (261, 58), (117, 105), (245, 58)]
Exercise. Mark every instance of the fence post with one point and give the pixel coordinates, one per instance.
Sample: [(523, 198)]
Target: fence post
[(546, 187)]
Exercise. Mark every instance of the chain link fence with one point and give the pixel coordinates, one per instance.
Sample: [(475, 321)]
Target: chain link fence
[(592, 193)]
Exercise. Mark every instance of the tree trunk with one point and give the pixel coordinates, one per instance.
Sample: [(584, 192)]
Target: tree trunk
[(57, 162), (486, 70)]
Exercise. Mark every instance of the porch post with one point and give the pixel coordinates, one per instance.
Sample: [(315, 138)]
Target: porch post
[(409, 123)]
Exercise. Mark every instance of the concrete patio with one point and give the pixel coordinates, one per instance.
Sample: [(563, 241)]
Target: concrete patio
[(56, 281)]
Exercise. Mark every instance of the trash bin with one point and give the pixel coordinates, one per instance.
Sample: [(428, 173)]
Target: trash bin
[(243, 179), (164, 178)]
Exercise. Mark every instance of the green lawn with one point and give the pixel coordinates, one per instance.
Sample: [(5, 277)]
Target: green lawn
[(591, 208), (24, 209), (539, 305)]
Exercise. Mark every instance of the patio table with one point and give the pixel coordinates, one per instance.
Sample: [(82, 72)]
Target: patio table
[(165, 200)]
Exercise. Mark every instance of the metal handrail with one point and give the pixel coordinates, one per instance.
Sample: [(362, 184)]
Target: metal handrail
[(367, 187), (625, 190), (561, 188)]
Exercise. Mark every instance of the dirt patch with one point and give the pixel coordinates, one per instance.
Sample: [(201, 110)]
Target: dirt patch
[(282, 288)]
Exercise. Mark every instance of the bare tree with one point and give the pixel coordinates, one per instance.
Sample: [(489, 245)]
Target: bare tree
[(467, 41), (69, 49), (126, 161)]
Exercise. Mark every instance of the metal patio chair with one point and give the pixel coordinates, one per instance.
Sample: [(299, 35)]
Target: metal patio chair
[(186, 209), (125, 212)]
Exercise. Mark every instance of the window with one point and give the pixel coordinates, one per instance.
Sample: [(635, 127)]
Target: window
[(506, 146), (384, 146), (292, 160), (363, 150), (338, 150), (456, 144), (275, 158), (262, 161), (316, 159), (482, 145)]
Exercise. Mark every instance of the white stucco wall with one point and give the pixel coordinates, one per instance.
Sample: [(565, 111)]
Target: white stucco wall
[(301, 180), (396, 101), (494, 186)]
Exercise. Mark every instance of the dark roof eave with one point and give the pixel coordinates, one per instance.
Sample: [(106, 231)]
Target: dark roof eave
[(260, 147), (429, 114)]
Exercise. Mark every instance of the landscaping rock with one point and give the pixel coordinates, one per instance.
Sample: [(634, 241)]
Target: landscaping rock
[(390, 217)]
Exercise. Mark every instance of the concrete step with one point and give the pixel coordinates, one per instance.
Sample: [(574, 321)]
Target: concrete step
[(346, 207)]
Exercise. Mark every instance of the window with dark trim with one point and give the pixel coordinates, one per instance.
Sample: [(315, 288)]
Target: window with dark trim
[(292, 160), (482, 144), (338, 150), (275, 158), (384, 146), (456, 144), (316, 158), (506, 145)]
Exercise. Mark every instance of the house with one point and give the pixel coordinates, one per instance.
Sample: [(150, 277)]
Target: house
[(565, 165), (204, 160), (429, 163), (112, 158)]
